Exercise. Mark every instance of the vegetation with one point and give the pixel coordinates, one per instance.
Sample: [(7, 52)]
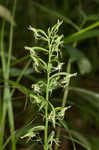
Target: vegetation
[(53, 82)]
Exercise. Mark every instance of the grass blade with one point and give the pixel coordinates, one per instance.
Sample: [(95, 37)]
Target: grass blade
[(56, 14), (80, 139), (83, 36), (86, 30)]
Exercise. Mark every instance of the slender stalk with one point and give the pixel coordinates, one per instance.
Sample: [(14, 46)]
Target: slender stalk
[(10, 109), (2, 126), (66, 89), (11, 40), (4, 107), (11, 123), (47, 99), (0, 104), (46, 116), (4, 112), (2, 49)]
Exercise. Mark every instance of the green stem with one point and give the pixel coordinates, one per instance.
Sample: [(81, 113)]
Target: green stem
[(4, 112), (4, 107), (11, 41), (46, 116), (10, 109), (47, 99), (11, 123), (66, 89), (2, 49)]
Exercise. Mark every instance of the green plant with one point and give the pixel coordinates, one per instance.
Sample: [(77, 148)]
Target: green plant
[(6, 107), (54, 78)]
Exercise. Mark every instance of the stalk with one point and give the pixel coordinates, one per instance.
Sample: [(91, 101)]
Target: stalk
[(10, 109), (46, 116), (11, 40), (4, 108), (66, 89), (47, 99)]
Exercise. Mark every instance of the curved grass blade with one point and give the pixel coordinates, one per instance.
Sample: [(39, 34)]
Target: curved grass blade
[(90, 96), (79, 33), (15, 62), (21, 88), (64, 124), (80, 139), (83, 36), (56, 14)]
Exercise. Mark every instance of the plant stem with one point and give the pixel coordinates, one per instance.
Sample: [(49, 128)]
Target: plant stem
[(4, 107), (10, 109), (2, 49), (11, 41), (46, 122), (66, 89), (47, 99)]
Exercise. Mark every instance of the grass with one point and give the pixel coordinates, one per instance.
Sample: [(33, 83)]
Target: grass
[(7, 103)]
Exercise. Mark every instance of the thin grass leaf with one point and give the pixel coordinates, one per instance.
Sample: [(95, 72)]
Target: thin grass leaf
[(21, 88), (83, 36), (93, 17), (85, 91), (56, 14), (14, 72), (79, 33), (90, 96), (18, 61), (76, 137), (63, 122), (81, 138)]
